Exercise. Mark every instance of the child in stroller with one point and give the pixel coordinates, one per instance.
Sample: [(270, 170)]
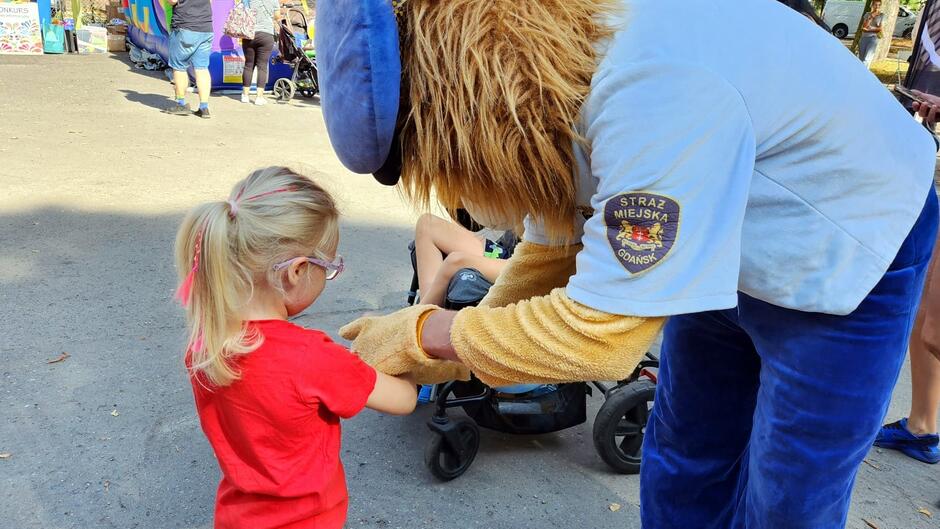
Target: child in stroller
[(522, 409)]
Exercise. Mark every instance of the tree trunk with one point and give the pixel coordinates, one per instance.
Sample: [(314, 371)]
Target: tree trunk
[(890, 10), (820, 5)]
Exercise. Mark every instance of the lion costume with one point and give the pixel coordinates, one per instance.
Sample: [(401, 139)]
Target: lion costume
[(688, 169)]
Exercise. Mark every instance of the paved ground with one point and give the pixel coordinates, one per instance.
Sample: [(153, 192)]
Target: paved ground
[(94, 181)]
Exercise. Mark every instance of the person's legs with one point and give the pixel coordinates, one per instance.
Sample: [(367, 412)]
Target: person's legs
[(180, 84), (925, 380), (925, 356), (248, 48), (202, 42), (203, 86), (866, 48), (825, 385), (437, 291), (697, 434), (179, 53), (265, 48), (916, 435), (435, 238)]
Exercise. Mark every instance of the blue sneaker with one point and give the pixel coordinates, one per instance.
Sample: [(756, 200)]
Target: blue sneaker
[(896, 436), (426, 394)]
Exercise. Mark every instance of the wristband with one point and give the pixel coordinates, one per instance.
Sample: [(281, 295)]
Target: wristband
[(421, 319)]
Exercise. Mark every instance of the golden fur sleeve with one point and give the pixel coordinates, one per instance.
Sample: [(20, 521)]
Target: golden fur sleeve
[(533, 270), (550, 339)]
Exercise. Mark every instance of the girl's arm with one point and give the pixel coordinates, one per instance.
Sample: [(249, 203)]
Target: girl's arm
[(393, 395)]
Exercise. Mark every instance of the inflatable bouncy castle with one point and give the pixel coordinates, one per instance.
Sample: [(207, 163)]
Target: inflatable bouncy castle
[(149, 28)]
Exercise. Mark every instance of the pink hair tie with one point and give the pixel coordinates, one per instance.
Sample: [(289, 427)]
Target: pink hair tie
[(233, 203)]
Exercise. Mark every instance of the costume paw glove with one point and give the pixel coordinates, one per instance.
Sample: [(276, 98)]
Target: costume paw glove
[(550, 339), (390, 344), (533, 270)]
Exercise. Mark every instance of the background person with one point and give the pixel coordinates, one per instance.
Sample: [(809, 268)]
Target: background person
[(871, 33), (916, 435), (190, 45), (258, 49)]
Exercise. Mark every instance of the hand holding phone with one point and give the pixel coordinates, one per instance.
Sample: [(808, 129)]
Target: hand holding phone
[(910, 95), (926, 105)]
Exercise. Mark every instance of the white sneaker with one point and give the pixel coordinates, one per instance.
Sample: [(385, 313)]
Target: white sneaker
[(245, 98), (261, 101)]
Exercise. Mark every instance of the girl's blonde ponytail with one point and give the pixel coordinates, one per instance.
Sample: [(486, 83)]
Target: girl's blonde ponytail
[(224, 249)]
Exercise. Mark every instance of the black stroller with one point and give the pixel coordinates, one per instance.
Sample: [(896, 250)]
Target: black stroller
[(534, 409), (291, 51)]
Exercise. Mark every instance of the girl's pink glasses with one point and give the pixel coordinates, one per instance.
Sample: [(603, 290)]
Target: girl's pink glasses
[(333, 269)]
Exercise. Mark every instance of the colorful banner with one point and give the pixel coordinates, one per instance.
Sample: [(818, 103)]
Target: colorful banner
[(20, 31)]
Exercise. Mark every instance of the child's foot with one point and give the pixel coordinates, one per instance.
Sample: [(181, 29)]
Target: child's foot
[(261, 101), (896, 436), (203, 113), (245, 98), (177, 110)]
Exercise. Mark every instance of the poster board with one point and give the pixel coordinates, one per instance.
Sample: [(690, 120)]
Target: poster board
[(233, 65), (20, 31)]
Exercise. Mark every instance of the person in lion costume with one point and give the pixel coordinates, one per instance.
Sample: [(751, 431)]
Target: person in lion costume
[(781, 216)]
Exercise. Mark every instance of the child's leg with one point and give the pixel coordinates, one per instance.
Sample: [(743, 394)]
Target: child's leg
[(490, 268), (436, 237)]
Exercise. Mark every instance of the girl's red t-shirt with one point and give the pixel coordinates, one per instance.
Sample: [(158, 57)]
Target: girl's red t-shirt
[(276, 430)]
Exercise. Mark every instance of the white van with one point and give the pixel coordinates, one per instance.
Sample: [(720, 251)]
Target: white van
[(843, 17)]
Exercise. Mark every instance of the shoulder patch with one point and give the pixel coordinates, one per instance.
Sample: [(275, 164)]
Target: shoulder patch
[(641, 228)]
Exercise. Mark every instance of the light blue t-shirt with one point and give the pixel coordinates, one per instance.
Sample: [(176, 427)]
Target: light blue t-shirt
[(735, 146)]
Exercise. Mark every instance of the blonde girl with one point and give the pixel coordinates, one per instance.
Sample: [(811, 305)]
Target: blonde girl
[(270, 394)]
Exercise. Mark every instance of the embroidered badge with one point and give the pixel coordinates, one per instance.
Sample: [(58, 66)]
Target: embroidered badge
[(641, 228)]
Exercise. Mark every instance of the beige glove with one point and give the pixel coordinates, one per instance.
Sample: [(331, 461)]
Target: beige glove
[(390, 344), (533, 270), (550, 339)]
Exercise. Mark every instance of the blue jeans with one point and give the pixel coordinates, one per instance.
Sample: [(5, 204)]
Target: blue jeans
[(763, 414), (189, 48)]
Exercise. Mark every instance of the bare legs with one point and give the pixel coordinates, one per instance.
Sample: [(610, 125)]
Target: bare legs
[(180, 83), (435, 238), (203, 85), (925, 349)]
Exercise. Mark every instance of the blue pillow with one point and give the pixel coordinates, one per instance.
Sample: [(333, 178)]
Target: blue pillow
[(359, 71)]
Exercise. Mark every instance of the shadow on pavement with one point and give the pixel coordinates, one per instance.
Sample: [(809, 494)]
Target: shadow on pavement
[(156, 101)]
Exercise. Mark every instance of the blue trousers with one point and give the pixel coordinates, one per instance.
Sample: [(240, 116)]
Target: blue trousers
[(763, 414)]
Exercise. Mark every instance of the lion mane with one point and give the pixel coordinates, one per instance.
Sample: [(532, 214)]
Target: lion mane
[(495, 89)]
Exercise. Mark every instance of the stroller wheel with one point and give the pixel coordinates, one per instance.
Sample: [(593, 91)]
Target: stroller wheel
[(621, 423), (283, 89), (447, 462)]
